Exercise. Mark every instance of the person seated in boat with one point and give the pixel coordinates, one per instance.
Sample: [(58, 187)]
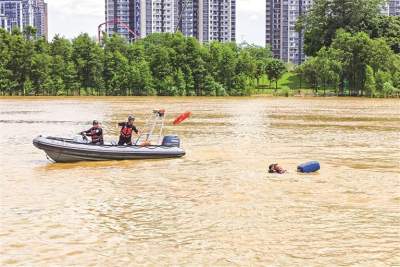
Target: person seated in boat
[(127, 130), (95, 133), (276, 168)]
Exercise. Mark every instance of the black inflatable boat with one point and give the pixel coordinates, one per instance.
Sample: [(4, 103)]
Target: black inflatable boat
[(70, 150)]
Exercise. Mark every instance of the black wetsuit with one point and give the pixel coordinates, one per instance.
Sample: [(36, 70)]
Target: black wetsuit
[(126, 133)]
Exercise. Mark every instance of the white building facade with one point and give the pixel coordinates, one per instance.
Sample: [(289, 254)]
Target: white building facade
[(3, 21), (160, 16), (281, 17), (28, 13), (206, 20), (22, 13), (40, 19), (11, 12), (218, 21), (123, 17), (394, 7)]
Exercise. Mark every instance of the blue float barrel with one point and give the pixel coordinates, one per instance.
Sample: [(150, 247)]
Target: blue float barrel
[(308, 167)]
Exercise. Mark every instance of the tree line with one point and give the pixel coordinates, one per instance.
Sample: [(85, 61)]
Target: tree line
[(160, 64), (351, 47)]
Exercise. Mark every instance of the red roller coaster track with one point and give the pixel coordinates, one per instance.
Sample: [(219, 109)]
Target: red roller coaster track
[(116, 22)]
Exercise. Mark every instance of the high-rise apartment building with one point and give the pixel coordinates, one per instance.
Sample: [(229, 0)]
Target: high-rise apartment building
[(40, 19), (3, 21), (189, 17), (11, 13), (22, 13), (281, 17), (394, 7), (28, 13), (160, 16), (385, 9), (218, 20), (391, 8), (206, 20), (123, 17), (285, 42)]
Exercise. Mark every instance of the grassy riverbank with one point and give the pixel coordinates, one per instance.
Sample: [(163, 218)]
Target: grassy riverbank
[(293, 84)]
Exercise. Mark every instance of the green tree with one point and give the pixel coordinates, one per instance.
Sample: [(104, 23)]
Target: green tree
[(227, 67), (213, 88), (354, 52), (328, 68), (29, 32), (325, 17), (180, 84), (382, 77), (40, 74), (260, 57), (63, 71), (194, 69), (88, 60), (370, 84), (396, 79), (388, 28), (309, 71), (116, 74), (21, 52), (61, 47), (140, 79), (275, 70), (388, 89), (162, 69), (246, 65), (6, 83), (71, 81)]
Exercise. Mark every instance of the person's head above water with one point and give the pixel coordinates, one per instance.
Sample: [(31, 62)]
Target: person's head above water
[(271, 168), (275, 168), (131, 119)]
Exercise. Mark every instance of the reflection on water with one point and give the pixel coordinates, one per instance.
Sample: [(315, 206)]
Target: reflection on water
[(216, 206)]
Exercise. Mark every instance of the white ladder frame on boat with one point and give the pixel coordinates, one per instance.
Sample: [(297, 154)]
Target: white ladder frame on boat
[(154, 121)]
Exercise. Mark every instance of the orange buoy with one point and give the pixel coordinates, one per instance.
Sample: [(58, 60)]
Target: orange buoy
[(182, 117)]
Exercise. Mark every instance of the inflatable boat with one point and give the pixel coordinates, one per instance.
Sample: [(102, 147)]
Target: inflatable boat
[(74, 150)]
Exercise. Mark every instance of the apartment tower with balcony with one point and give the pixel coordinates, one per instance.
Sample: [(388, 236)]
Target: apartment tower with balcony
[(11, 13), (159, 16), (394, 7), (123, 17), (22, 13), (281, 17), (206, 20)]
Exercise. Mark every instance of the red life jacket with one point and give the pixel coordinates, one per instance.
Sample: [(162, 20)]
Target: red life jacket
[(95, 136), (126, 131)]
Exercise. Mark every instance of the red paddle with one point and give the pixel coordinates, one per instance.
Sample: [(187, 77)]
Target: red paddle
[(182, 117)]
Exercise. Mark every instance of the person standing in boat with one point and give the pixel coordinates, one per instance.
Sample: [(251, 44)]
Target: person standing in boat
[(95, 133), (127, 130)]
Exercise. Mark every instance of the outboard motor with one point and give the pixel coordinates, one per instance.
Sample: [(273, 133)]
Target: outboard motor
[(171, 141)]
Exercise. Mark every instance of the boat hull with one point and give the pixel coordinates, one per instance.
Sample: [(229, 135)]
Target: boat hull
[(66, 150)]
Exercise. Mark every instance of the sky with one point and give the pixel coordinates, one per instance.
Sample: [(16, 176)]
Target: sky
[(72, 17)]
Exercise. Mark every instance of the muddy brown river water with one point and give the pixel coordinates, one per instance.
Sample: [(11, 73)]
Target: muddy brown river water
[(217, 206)]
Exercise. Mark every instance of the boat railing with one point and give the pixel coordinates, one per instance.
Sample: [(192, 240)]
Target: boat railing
[(154, 128)]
